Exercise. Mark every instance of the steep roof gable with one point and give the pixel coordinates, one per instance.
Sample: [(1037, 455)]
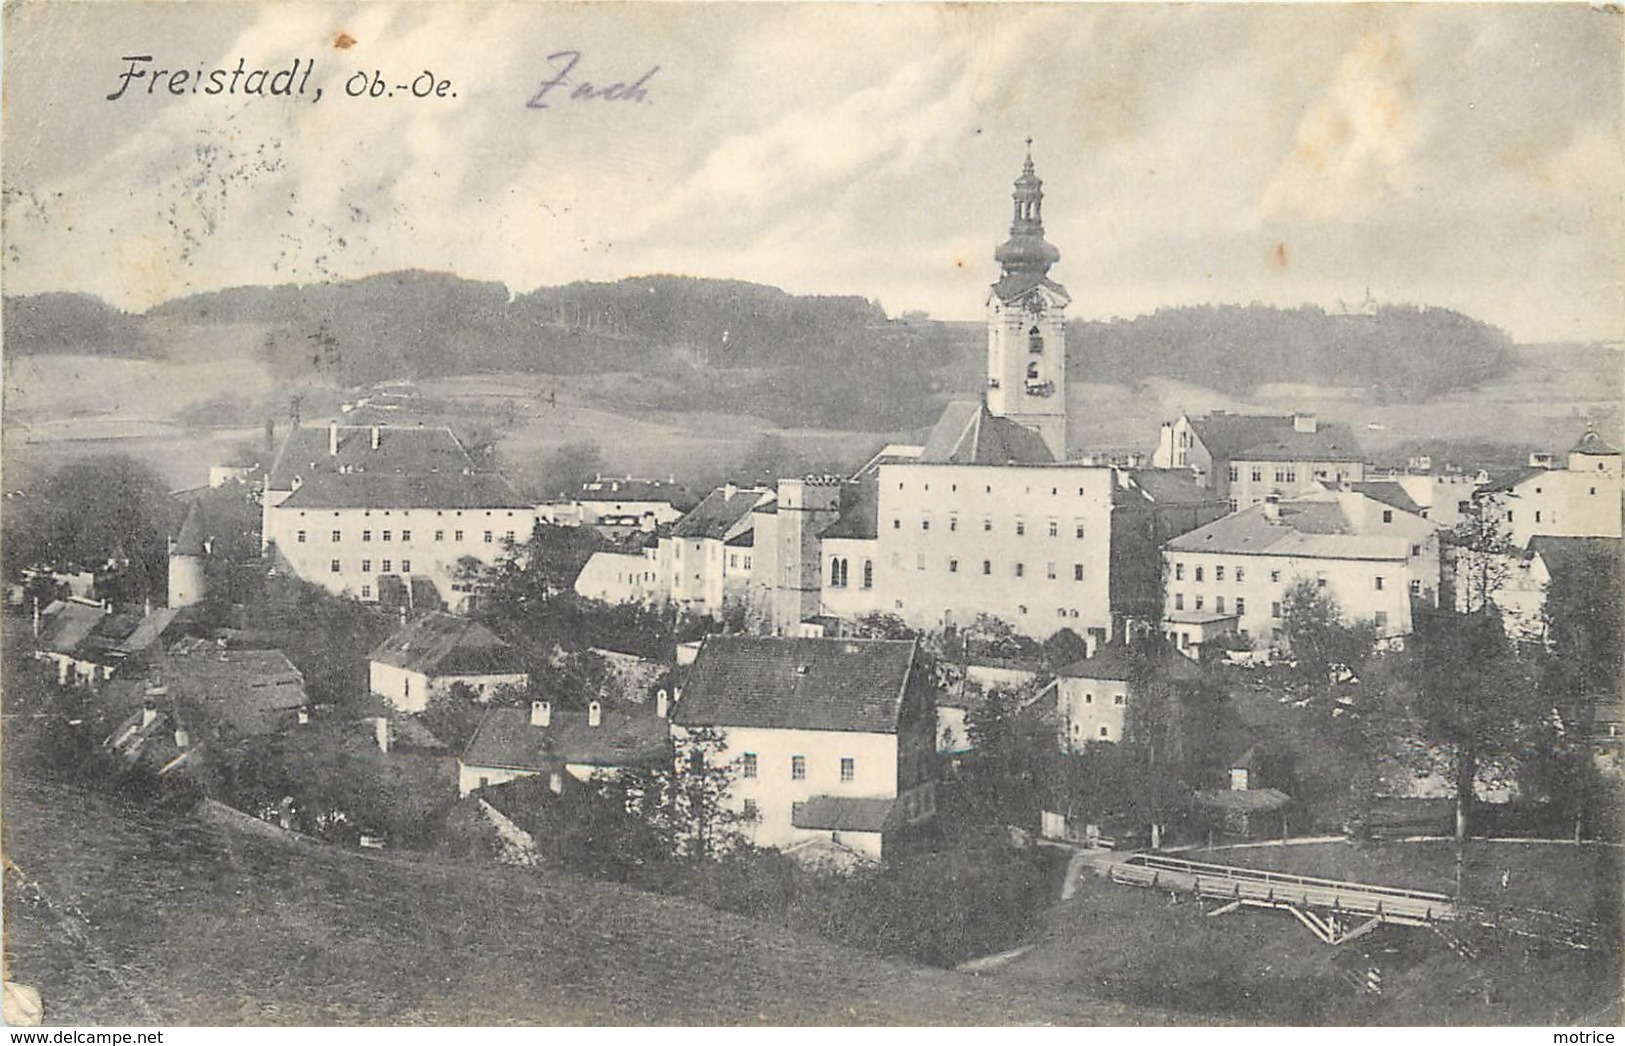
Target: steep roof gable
[(968, 434), (797, 684)]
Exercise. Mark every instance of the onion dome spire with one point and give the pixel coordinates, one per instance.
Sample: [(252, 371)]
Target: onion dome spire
[(1026, 252)]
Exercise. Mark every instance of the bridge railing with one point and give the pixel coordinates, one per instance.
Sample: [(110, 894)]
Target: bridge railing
[(1225, 871)]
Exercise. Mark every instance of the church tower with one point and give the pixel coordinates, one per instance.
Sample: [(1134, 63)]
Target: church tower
[(1026, 323)]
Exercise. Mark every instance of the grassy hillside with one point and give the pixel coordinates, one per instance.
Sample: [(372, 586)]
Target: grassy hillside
[(134, 921)]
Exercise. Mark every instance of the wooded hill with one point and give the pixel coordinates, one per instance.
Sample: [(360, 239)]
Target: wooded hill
[(746, 348)]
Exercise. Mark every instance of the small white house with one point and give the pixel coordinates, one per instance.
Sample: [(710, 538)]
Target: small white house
[(435, 653), (515, 742)]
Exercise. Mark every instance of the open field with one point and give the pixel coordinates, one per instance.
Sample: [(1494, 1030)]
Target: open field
[(137, 922)]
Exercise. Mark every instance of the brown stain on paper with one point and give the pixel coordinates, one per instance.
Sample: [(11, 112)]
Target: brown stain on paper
[(343, 41)]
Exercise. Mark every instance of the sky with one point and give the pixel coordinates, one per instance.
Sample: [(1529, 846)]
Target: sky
[(1468, 156)]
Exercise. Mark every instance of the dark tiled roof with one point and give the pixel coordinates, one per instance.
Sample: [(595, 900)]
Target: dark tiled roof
[(1247, 801), (1115, 661), (1252, 437), (743, 539), (797, 684), (967, 434), (249, 692), (442, 645), (1508, 479), (1389, 493), (1015, 285), (190, 541), (1171, 486), (65, 625), (1591, 443), (374, 488), (840, 813), (718, 515), (611, 489), (506, 740), (1314, 524), (304, 452)]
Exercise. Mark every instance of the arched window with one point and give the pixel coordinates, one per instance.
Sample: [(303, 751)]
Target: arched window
[(1032, 371), (868, 574), (842, 567), (834, 573), (1035, 341)]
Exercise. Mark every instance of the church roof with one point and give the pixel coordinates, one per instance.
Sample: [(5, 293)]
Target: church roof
[(969, 434), (190, 540), (1013, 285), (1591, 443)]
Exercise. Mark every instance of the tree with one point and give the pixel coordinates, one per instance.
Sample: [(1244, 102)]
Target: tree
[(566, 469), (1063, 648), (1473, 696), (1480, 556), (452, 714), (1313, 626), (685, 804)]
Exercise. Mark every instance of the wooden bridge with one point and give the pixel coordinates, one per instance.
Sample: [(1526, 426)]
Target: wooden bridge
[(1333, 911)]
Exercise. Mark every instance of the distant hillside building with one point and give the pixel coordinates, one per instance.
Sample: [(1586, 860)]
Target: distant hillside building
[(1233, 574), (1244, 458), (348, 506)]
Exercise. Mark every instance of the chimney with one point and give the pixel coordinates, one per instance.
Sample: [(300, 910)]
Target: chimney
[(555, 783), (729, 490), (541, 713), (182, 740), (375, 437), (304, 715), (1272, 506), (332, 439), (146, 607), (149, 714), (36, 617), (1303, 423), (107, 606), (384, 733), (662, 703), (595, 714)]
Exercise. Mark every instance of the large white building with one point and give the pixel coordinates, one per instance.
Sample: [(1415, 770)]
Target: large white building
[(831, 740), (1581, 500), (361, 510), (1245, 457), (1233, 574)]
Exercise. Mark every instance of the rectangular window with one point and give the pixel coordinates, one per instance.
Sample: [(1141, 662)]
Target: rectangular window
[(440, 535), (1241, 606), (300, 537), (488, 537), (1179, 571), (366, 566), (1233, 473), (507, 535), (1021, 527), (919, 561), (987, 566), (1199, 602), (953, 566), (1179, 601), (1258, 474), (457, 535), (366, 591), (366, 535), (1199, 575), (406, 535), (1218, 573), (953, 523), (1416, 550), (747, 766), (751, 812), (1376, 583), (1416, 587), (1077, 572), (1241, 574), (1079, 528), (387, 565), (1054, 528), (388, 534), (1118, 699), (1218, 604), (798, 768), (925, 524), (337, 536), (1275, 610), (406, 566), (1049, 571), (897, 524), (335, 566), (1021, 569), (987, 523), (1381, 618), (1387, 515), (849, 768)]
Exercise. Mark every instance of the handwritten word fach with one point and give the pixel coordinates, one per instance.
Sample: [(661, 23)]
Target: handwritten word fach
[(563, 64)]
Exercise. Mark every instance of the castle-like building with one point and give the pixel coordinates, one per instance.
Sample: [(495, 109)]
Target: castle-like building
[(987, 517)]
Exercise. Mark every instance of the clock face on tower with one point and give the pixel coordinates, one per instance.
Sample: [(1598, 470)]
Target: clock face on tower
[(1034, 304)]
